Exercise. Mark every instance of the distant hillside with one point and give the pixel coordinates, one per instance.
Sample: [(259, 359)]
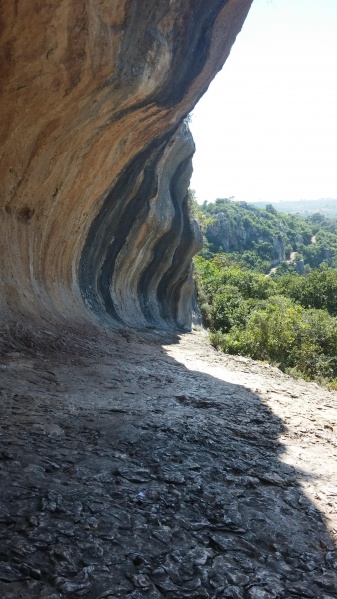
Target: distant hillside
[(328, 207), (267, 286), (264, 238)]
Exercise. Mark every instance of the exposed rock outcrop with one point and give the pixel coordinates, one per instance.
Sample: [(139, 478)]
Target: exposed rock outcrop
[(95, 160), (144, 277), (228, 235)]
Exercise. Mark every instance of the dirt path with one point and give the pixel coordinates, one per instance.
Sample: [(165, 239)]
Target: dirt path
[(290, 261), (131, 468)]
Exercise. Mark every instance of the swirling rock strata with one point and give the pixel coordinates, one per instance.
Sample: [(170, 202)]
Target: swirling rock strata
[(95, 160), (144, 277)]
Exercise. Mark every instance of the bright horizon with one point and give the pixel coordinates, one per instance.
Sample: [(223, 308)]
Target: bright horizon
[(266, 130)]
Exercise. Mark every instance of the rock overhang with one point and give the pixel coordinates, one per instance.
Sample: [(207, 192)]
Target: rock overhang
[(96, 157)]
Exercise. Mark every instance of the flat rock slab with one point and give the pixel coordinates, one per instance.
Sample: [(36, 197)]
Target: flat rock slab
[(134, 469)]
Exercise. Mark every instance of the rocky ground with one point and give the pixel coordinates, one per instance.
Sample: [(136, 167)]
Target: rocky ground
[(146, 468)]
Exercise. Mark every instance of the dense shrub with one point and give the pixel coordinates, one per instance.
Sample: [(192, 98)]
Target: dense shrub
[(318, 289), (288, 318), (279, 321)]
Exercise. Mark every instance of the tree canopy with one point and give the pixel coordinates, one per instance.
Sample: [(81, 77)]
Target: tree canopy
[(287, 316)]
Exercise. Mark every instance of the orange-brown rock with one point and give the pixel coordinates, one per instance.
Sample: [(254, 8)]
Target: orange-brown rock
[(95, 160)]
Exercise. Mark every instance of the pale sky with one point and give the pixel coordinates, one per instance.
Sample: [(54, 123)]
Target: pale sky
[(267, 127)]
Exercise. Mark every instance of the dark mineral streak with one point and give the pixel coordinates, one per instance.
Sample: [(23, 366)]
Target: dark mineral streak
[(96, 158)]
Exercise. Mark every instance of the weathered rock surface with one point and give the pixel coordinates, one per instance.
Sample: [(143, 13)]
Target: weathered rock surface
[(133, 470), (228, 236), (95, 161)]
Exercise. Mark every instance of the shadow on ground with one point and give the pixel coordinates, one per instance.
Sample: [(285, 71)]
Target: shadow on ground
[(123, 474)]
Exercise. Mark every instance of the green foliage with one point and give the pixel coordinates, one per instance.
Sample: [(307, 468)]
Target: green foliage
[(230, 309), (222, 276), (289, 321), (287, 335), (318, 289), (262, 238), (271, 332), (288, 318)]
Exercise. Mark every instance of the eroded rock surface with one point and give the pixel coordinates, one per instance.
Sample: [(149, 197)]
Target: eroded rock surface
[(95, 160), (135, 470)]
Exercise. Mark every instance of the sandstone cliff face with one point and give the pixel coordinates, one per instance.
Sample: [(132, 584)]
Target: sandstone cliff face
[(95, 160)]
